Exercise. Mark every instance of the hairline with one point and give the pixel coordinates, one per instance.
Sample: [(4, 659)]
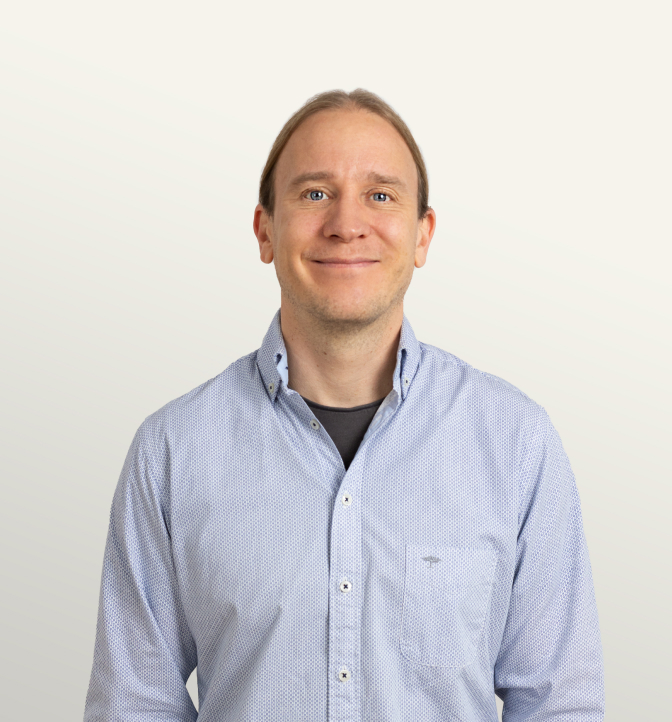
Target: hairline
[(333, 100)]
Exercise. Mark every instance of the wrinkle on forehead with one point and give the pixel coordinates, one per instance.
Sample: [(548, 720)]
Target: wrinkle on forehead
[(371, 176), (346, 143)]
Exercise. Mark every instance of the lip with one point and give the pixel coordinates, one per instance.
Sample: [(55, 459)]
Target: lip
[(345, 262)]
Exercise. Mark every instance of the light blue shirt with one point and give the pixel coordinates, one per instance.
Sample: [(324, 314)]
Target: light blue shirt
[(448, 564)]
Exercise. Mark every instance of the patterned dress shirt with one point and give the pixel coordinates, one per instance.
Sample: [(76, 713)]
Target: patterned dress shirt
[(447, 565)]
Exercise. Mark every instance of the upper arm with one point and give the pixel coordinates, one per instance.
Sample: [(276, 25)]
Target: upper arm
[(144, 651), (550, 658)]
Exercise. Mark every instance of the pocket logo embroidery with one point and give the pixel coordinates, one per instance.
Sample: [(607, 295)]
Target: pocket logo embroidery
[(445, 604)]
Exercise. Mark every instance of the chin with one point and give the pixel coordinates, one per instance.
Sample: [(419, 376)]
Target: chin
[(343, 306), (336, 311)]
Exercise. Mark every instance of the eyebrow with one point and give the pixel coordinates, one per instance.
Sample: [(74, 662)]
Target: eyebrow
[(386, 180), (306, 177)]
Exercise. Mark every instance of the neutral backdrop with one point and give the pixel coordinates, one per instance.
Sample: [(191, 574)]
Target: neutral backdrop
[(132, 136)]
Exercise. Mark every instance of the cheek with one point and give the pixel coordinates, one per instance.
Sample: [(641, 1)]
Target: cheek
[(399, 236), (305, 227), (299, 229), (294, 236)]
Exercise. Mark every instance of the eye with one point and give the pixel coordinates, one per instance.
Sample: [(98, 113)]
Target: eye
[(316, 195), (381, 197)]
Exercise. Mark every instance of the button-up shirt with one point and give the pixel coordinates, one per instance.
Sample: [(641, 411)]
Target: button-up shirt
[(447, 565)]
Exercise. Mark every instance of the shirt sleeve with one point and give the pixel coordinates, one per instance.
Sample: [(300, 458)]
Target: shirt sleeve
[(550, 661), (144, 651)]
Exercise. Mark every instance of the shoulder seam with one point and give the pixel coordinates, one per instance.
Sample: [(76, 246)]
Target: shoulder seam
[(456, 361)]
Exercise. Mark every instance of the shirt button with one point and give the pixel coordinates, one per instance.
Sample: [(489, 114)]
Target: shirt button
[(344, 674), (346, 499), (314, 424), (345, 586), (271, 387), (406, 382)]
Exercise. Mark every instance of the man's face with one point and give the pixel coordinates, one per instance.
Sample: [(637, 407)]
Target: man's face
[(345, 234)]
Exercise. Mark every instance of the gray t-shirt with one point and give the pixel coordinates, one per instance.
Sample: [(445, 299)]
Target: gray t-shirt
[(346, 427)]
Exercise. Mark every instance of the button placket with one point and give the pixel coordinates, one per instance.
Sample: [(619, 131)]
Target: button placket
[(345, 605), (346, 585)]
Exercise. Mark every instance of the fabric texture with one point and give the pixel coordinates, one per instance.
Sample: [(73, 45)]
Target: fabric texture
[(446, 565), (346, 426)]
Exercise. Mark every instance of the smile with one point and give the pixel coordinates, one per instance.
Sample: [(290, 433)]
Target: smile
[(346, 263)]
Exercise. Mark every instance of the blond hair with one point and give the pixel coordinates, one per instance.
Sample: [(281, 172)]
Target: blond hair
[(334, 100)]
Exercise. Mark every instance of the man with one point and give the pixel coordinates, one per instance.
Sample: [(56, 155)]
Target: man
[(347, 524)]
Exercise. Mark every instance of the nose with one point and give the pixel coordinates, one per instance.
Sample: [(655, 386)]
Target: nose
[(346, 220)]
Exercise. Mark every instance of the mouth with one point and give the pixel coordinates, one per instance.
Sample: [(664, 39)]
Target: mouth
[(345, 262)]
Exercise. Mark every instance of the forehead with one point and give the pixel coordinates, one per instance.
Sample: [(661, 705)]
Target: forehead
[(346, 143)]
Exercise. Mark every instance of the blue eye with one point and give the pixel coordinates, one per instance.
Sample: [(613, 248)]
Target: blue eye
[(316, 195), (380, 197)]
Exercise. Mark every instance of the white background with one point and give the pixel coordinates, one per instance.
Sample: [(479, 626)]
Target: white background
[(132, 136)]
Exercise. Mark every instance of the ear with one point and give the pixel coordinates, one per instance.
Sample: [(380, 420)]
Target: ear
[(426, 229), (263, 229)]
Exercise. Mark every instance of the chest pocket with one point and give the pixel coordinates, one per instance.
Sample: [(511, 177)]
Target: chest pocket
[(446, 597)]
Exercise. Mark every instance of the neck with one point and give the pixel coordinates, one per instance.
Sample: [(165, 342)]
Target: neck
[(342, 365)]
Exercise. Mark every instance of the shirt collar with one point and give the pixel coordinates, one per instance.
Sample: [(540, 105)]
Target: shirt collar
[(272, 359)]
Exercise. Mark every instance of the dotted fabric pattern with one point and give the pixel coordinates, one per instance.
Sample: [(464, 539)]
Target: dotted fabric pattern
[(447, 565)]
